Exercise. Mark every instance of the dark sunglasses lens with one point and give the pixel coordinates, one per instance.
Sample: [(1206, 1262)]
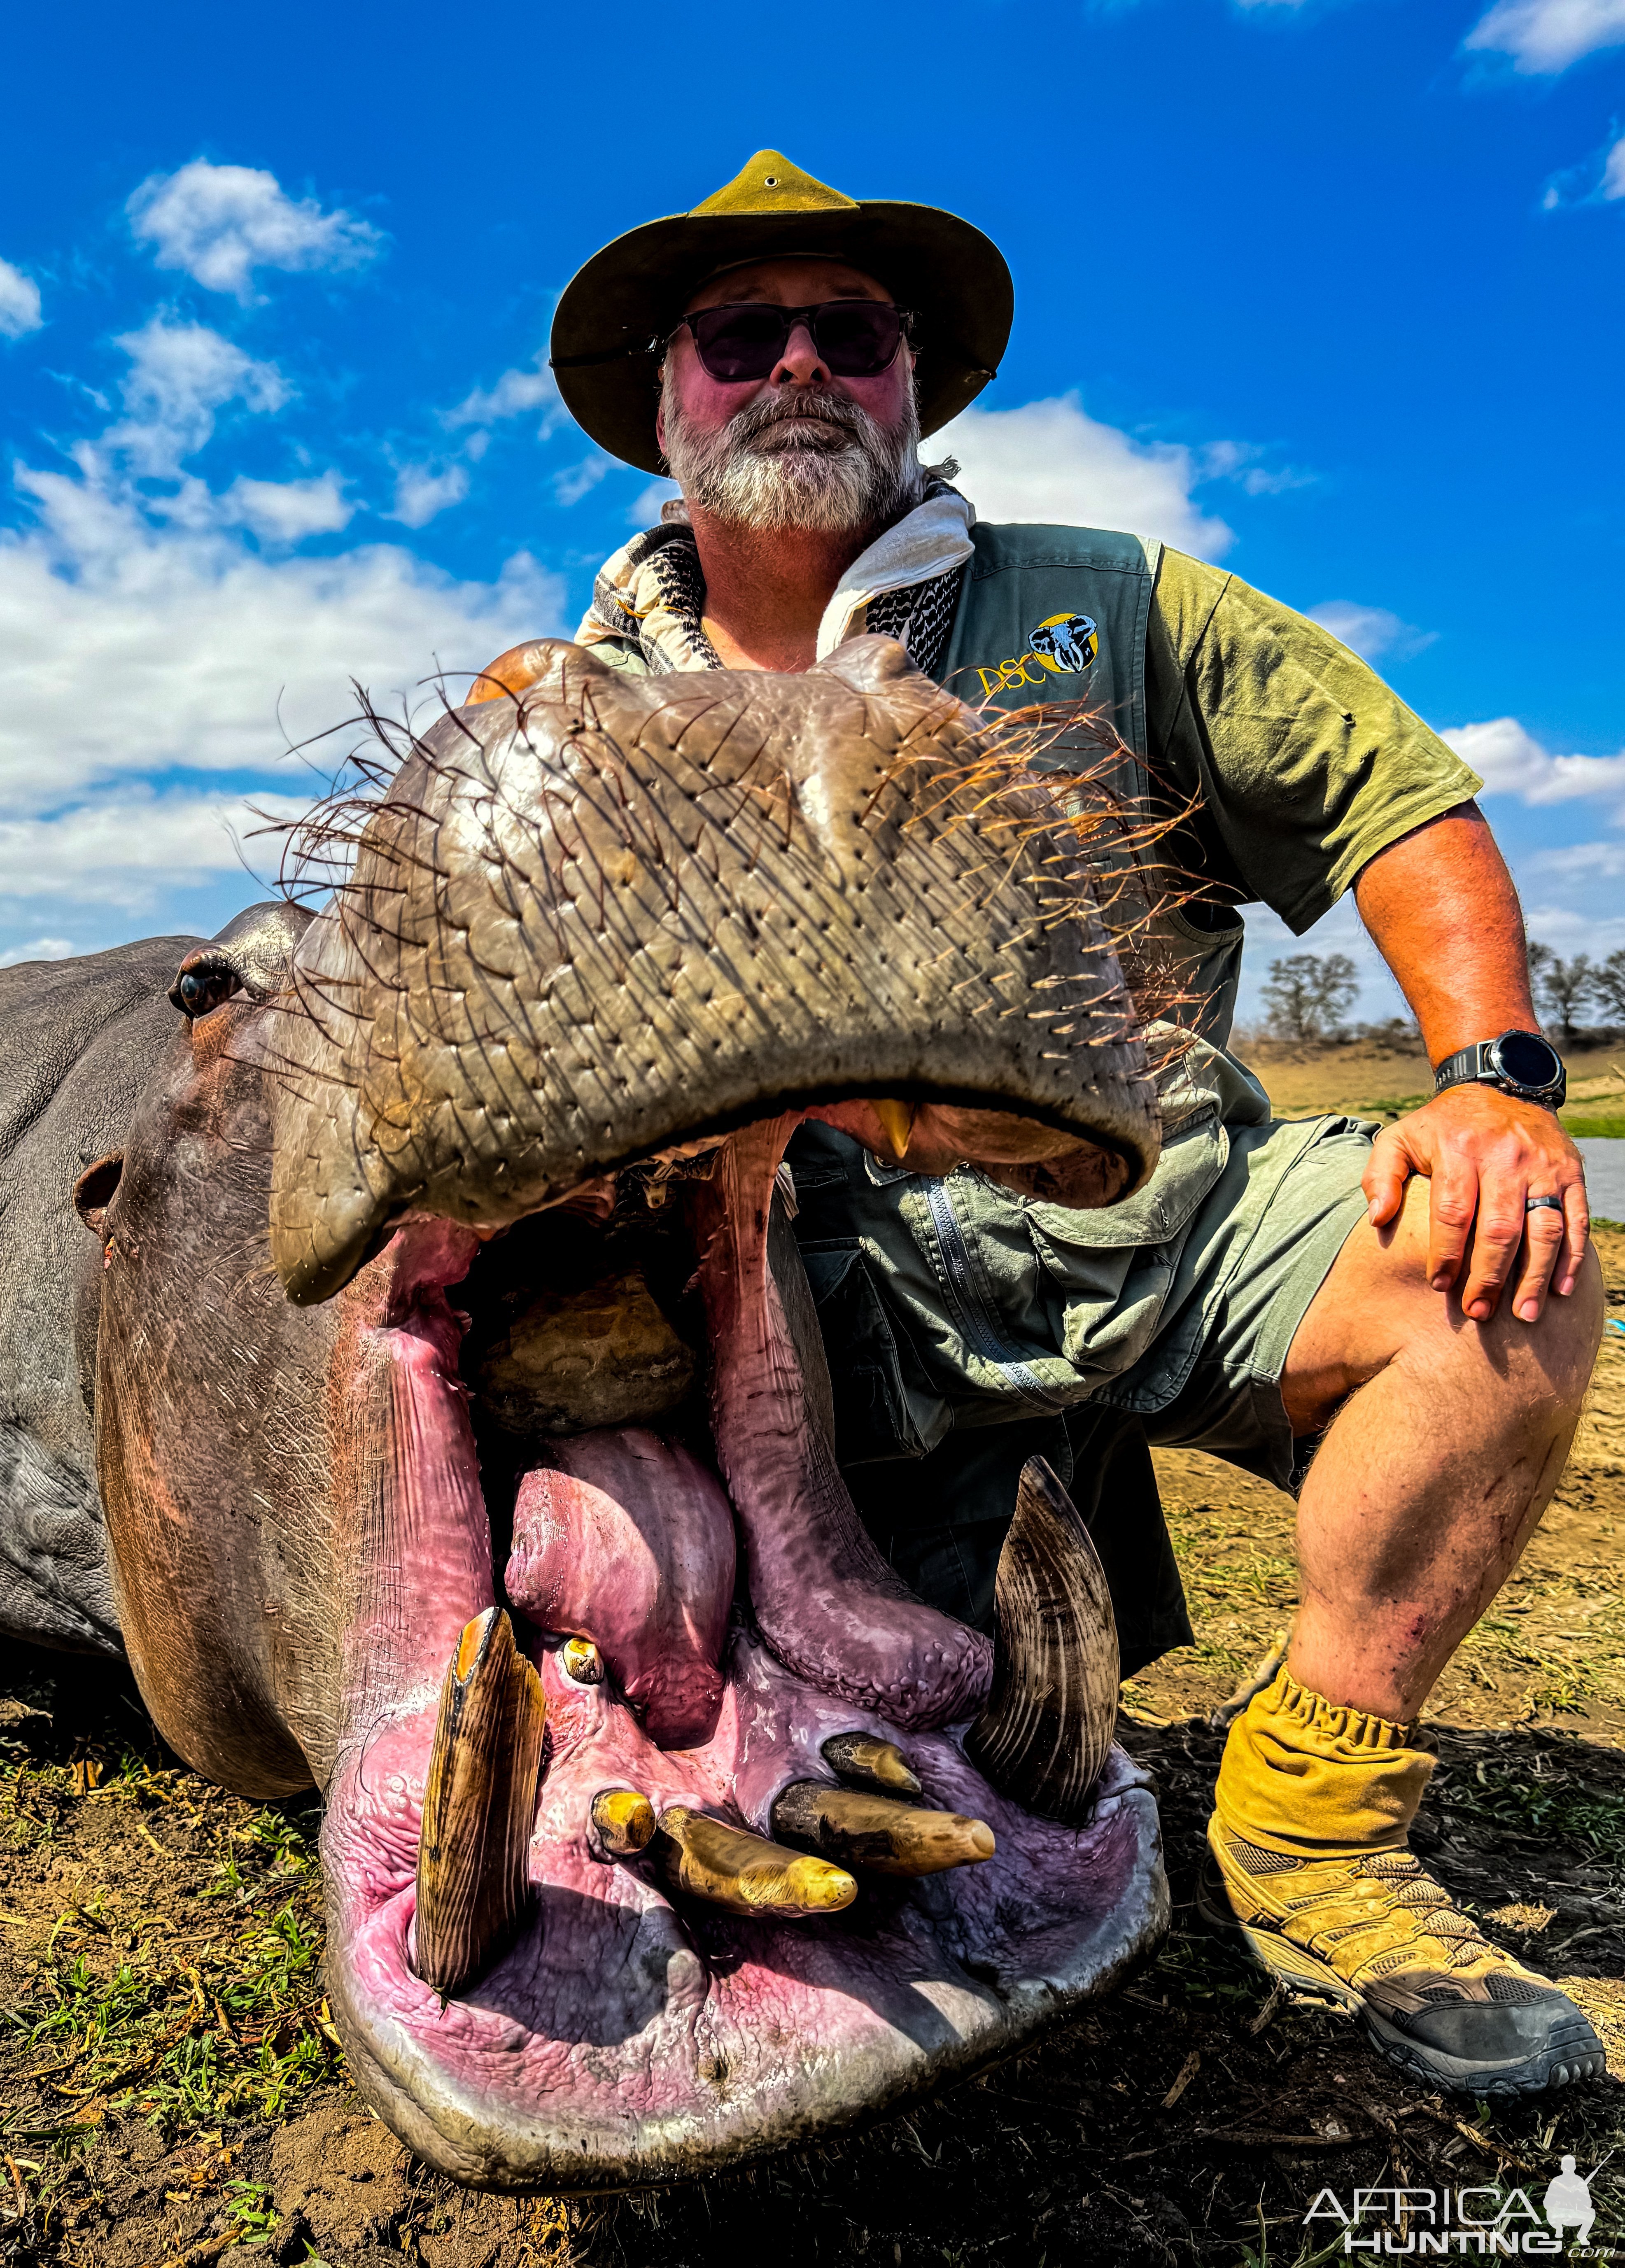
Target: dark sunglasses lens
[(857, 337), (737, 343)]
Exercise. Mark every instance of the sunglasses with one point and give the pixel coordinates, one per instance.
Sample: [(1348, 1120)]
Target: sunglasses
[(853, 338)]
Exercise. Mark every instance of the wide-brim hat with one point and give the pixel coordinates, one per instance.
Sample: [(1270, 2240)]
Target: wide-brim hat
[(615, 314)]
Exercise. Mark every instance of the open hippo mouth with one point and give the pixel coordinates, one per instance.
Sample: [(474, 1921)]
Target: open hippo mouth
[(665, 1824)]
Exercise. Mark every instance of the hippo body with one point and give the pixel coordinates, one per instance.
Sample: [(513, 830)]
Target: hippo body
[(79, 1040), (528, 1078)]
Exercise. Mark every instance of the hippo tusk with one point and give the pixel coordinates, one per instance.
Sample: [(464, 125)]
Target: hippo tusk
[(857, 1830), (872, 1763), (897, 1124), (745, 1874), (623, 1822), (1044, 1735), (478, 1806)]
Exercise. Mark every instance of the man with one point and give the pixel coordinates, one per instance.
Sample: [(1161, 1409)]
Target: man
[(1421, 1309)]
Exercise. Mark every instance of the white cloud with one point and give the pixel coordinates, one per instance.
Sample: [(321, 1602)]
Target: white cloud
[(576, 480), (284, 511), (1548, 35), (136, 846), (219, 222), (19, 302), (420, 494), (1511, 762), (39, 948), (1614, 171), (1051, 461), (1371, 630), (515, 393), (129, 648), (181, 373)]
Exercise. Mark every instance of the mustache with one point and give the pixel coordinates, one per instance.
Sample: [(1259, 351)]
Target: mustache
[(760, 416)]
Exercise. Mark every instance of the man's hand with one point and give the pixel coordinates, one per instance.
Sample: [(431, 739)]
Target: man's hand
[(1486, 1154)]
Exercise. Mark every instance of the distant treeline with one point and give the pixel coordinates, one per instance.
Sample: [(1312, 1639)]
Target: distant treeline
[(1308, 997)]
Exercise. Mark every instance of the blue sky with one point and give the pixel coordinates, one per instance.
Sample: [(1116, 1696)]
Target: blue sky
[(1328, 289)]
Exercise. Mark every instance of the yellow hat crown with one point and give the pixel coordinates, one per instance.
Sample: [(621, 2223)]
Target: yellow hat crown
[(771, 184)]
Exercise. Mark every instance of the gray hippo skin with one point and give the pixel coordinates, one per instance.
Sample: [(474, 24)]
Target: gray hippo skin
[(443, 1357)]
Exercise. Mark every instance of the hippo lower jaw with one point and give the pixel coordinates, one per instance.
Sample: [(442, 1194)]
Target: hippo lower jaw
[(629, 2032)]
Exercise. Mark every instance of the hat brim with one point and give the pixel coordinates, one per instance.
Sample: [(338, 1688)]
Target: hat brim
[(953, 276)]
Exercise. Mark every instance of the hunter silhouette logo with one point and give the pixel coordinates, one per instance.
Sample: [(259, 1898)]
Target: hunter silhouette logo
[(1066, 644), (1486, 2220)]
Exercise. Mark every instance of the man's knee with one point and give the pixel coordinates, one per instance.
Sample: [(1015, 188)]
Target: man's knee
[(1378, 1303)]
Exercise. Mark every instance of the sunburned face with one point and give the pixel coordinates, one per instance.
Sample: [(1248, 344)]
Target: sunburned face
[(663, 1826), (802, 446)]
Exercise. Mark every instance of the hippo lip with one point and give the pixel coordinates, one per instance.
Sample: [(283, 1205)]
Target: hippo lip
[(628, 2035)]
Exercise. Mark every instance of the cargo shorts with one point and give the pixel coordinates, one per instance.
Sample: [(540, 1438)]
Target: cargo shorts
[(967, 1329)]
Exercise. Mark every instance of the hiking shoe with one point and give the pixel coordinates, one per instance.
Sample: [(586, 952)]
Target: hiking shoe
[(1375, 1932)]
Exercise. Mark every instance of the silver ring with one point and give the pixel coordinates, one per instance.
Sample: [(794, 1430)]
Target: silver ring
[(1540, 1205)]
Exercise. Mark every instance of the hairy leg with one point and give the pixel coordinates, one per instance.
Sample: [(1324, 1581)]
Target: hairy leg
[(1446, 1439)]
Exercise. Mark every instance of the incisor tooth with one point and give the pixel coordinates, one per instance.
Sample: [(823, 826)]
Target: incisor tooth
[(478, 1806), (858, 1829), (745, 1874), (871, 1762), (623, 1822)]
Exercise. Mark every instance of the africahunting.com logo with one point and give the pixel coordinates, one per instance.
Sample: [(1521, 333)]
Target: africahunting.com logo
[(1490, 2223)]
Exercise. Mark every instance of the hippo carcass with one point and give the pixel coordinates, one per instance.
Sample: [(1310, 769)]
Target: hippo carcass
[(461, 1422)]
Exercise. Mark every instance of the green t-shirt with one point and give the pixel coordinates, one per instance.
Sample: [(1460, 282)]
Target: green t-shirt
[(1306, 765)]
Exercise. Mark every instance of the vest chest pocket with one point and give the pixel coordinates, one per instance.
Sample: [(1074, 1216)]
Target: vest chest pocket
[(886, 1409)]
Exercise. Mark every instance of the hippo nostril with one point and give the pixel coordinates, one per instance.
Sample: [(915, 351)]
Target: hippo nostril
[(580, 1658)]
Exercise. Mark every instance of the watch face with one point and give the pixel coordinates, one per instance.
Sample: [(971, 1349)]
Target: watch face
[(1526, 1060)]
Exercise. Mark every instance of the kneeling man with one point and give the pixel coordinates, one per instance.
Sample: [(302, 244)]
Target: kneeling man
[(1400, 1327)]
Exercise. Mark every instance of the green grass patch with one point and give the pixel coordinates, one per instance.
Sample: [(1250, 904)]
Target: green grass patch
[(1595, 1130), (1390, 1106)]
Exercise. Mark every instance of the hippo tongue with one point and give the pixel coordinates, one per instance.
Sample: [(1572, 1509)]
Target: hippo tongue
[(626, 1538)]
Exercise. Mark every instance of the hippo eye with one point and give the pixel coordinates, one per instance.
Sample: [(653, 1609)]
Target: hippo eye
[(203, 985), (579, 1658)]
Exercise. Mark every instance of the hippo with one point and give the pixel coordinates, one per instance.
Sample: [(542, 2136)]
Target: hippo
[(437, 1411)]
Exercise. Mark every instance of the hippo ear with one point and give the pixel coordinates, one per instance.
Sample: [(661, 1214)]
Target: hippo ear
[(92, 1192)]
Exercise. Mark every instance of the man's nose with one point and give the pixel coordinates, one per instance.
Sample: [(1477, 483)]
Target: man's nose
[(801, 364)]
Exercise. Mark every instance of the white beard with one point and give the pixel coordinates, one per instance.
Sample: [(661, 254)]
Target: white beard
[(862, 480)]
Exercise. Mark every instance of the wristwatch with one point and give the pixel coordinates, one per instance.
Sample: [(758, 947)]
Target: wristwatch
[(1519, 1062)]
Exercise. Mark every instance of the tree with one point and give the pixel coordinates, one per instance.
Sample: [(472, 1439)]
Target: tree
[(1307, 993), (1608, 986), (1562, 988)]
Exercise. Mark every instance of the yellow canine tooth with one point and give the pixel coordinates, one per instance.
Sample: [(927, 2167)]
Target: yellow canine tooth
[(873, 1764), (896, 1124), (857, 1828)]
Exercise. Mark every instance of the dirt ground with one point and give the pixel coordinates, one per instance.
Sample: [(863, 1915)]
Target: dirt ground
[(172, 2092)]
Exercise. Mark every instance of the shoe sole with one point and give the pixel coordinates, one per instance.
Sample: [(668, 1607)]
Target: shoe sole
[(1573, 2052)]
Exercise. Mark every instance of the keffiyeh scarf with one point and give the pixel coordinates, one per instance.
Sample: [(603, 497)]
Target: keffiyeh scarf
[(651, 595)]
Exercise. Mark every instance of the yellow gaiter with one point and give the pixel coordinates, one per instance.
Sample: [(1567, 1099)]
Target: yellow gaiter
[(1302, 1776)]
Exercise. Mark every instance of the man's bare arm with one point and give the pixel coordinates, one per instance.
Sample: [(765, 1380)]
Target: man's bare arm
[(1441, 908)]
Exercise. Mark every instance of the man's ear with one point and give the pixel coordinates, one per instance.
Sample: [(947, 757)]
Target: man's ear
[(660, 412), (93, 1191)]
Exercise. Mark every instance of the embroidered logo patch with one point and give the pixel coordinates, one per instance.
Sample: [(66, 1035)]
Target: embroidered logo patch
[(1066, 642), (1063, 645)]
